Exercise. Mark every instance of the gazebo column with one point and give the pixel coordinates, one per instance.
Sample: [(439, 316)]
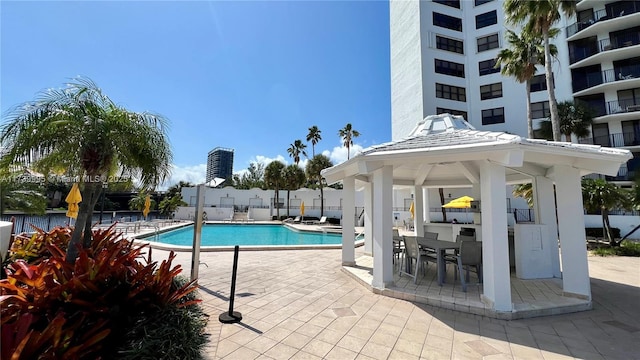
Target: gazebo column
[(545, 213), (368, 219), (382, 225), (427, 212), (495, 245), (575, 266), (348, 221), (418, 208)]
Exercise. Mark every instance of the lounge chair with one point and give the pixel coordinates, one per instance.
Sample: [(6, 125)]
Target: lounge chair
[(323, 220), (294, 220)]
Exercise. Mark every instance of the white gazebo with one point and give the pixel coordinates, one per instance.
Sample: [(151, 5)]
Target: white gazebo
[(444, 151)]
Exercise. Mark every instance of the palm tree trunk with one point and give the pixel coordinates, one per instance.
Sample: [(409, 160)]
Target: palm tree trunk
[(444, 211), (607, 227), (529, 118), (277, 203), (348, 147), (321, 199), (83, 222), (288, 202), (553, 104)]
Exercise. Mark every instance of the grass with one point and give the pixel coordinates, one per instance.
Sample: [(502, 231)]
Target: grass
[(627, 248)]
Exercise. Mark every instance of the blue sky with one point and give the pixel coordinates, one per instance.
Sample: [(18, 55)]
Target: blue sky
[(247, 75)]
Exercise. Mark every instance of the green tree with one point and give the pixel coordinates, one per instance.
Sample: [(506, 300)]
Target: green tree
[(169, 204), (296, 149), (540, 16), (274, 179), (524, 191), (575, 118), (137, 202), (79, 131), (176, 190), (519, 60), (314, 167), (347, 134), (315, 137), (294, 178), (20, 192), (252, 178), (600, 195)]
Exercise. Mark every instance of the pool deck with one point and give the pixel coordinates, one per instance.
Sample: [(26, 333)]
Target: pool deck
[(302, 305)]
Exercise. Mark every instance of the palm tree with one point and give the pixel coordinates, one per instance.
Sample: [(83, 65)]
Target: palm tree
[(294, 178), (575, 118), (296, 149), (600, 195), (315, 137), (540, 15), (314, 167), (80, 132), (274, 179), (524, 191), (347, 134), (520, 60), (137, 202)]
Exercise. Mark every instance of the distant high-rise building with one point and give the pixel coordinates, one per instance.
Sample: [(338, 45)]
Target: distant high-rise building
[(219, 163)]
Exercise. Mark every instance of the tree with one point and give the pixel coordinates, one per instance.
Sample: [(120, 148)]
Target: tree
[(524, 191), (296, 149), (575, 118), (294, 178), (540, 16), (314, 167), (520, 60), (252, 178), (80, 132), (347, 134), (600, 195), (315, 137), (137, 202), (169, 204), (274, 179)]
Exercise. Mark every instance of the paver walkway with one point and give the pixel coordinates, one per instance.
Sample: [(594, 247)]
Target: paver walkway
[(301, 305)]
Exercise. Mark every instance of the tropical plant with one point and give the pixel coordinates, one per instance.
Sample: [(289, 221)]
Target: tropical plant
[(55, 310), (600, 195), (347, 133), (296, 149), (314, 167), (524, 191), (540, 16), (138, 202), (20, 192), (520, 59), (294, 178), (315, 137), (575, 118), (169, 204), (274, 179), (80, 132)]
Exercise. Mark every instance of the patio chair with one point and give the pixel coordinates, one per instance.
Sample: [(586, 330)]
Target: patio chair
[(323, 220), (398, 248), (470, 255), (412, 251)]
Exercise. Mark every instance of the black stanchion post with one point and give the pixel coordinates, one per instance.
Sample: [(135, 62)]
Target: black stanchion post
[(232, 317)]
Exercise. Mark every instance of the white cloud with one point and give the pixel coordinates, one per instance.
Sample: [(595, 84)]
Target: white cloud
[(339, 153), (195, 174)]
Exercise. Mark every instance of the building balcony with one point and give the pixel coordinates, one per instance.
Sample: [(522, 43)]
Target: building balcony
[(613, 140), (622, 73), (600, 20), (583, 53)]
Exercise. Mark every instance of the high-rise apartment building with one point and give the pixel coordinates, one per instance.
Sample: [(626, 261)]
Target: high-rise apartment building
[(603, 44), (443, 60), (219, 163)]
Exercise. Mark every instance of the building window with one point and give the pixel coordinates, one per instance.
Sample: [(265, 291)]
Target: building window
[(447, 44), (493, 116), (451, 92), (491, 91), (449, 68), (488, 67), (539, 83), (446, 21), (486, 19), (488, 42), (452, 3), (452, 112), (480, 2), (540, 110)]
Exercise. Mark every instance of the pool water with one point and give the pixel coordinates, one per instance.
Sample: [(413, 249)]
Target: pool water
[(253, 235)]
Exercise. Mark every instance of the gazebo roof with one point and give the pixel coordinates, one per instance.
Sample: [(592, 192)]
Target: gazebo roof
[(445, 158)]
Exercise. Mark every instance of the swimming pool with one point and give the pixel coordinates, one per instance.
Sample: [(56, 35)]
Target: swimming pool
[(247, 235)]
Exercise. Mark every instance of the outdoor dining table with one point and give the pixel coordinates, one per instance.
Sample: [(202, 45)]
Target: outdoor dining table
[(439, 247)]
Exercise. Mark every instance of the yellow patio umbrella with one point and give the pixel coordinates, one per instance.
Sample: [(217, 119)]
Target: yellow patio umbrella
[(73, 198), (412, 210), (302, 209), (147, 206), (463, 202)]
